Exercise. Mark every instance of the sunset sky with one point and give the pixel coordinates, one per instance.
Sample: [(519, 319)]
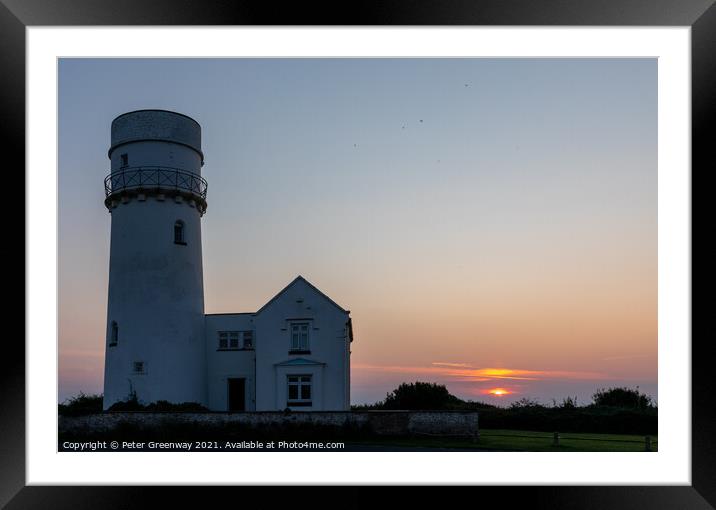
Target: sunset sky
[(490, 223)]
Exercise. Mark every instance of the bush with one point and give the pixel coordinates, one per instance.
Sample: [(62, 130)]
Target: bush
[(130, 404), (421, 396), (80, 405), (567, 403), (622, 397), (92, 404), (526, 403)]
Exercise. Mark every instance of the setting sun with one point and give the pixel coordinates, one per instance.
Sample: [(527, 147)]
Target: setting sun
[(498, 392)]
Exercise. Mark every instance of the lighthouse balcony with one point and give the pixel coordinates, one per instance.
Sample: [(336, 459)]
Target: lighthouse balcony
[(159, 181)]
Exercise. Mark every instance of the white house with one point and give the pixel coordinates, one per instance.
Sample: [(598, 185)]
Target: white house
[(293, 353)]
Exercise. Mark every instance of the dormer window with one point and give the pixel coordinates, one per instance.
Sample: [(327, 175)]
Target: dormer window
[(179, 232)]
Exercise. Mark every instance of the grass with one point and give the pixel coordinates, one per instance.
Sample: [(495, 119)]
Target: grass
[(521, 440), (524, 441)]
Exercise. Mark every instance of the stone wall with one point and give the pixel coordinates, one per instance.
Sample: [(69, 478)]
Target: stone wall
[(385, 423)]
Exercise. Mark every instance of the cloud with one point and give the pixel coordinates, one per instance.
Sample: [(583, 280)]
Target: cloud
[(535, 375), (464, 372)]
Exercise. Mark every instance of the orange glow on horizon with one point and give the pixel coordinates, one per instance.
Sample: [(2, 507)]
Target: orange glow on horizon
[(497, 392), (464, 371)]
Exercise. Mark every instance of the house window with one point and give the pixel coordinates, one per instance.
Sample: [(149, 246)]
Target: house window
[(179, 232), (299, 337), (114, 334), (236, 340), (248, 339), (124, 160), (299, 391), (138, 367), (233, 339)]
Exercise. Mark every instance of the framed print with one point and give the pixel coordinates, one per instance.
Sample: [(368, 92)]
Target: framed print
[(501, 193)]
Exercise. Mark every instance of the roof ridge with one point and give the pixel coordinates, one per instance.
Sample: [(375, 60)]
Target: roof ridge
[(319, 291)]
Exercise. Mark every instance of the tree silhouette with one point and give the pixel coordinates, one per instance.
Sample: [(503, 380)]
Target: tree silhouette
[(421, 396), (622, 397)]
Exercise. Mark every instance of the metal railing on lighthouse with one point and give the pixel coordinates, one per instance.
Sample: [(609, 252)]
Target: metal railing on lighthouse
[(155, 179)]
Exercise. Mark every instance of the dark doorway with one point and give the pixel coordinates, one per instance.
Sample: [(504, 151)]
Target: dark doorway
[(237, 392)]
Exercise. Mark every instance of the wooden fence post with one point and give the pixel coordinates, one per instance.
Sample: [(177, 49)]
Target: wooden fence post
[(555, 442)]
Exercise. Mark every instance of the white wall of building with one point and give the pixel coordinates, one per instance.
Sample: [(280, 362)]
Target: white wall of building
[(156, 153), (301, 302), (154, 125), (156, 293), (225, 364)]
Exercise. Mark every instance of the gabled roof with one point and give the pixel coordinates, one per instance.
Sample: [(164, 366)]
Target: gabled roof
[(298, 361), (297, 279)]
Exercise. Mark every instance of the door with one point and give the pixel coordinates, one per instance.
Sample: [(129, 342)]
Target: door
[(237, 394)]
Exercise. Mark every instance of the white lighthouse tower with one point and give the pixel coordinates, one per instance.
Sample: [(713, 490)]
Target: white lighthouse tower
[(155, 313)]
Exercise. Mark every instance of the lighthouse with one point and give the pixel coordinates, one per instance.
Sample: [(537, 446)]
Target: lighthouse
[(155, 338)]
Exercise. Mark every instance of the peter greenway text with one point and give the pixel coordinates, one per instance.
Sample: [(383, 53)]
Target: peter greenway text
[(199, 446)]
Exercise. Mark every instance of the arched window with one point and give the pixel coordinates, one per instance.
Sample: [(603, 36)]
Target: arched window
[(179, 232), (114, 334)]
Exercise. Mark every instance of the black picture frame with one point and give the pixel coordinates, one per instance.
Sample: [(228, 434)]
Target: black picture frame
[(16, 15)]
